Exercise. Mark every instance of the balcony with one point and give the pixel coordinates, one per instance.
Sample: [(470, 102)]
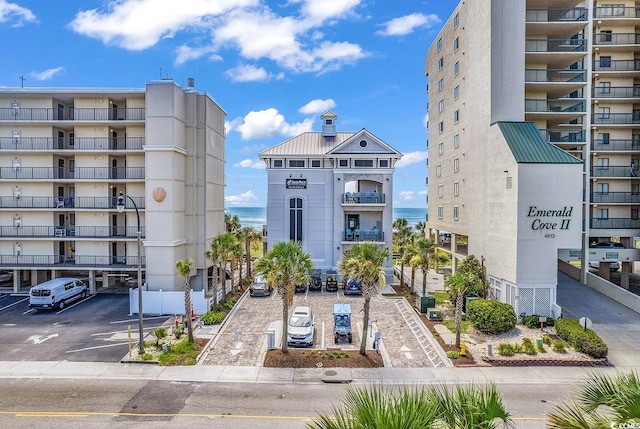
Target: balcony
[(74, 144), (78, 261), (555, 75), (564, 136), (616, 12), (554, 106), (357, 235), (614, 223), (555, 45), (616, 92), (611, 39), (602, 118), (615, 197), (71, 114), (12, 232), (66, 202), (363, 198), (556, 15), (614, 171), (609, 65), (615, 145), (79, 173)]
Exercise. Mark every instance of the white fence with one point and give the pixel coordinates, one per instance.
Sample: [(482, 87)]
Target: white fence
[(167, 302)]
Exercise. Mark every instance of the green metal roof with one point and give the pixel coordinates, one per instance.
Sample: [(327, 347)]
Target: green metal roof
[(528, 146)]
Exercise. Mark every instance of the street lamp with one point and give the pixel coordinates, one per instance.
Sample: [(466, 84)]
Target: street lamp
[(120, 207)]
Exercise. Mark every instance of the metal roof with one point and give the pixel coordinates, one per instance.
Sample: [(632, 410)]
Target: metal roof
[(311, 143), (528, 146)]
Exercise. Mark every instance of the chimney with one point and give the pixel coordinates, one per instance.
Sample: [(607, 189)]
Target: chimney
[(190, 84)]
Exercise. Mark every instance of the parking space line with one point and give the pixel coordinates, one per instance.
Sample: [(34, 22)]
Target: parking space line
[(74, 304), (15, 303), (31, 310), (96, 347), (136, 319)]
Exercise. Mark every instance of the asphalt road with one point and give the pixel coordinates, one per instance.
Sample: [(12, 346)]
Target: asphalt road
[(65, 403), (94, 329)]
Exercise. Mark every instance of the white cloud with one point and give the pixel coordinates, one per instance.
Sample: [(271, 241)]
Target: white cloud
[(317, 106), (232, 125), (406, 24), (249, 73), (407, 195), (412, 158), (46, 74), (249, 163), (187, 53), (243, 199), (15, 15), (269, 123)]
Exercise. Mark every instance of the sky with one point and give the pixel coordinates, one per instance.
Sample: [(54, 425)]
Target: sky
[(273, 66)]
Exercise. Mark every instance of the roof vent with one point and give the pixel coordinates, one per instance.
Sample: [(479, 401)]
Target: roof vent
[(190, 83), (329, 124)]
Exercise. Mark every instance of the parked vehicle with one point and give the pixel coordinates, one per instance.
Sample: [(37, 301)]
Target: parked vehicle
[(259, 286), (342, 322), (56, 292), (316, 280), (332, 281), (609, 245), (6, 276), (300, 327), (301, 287), (613, 266), (352, 288)]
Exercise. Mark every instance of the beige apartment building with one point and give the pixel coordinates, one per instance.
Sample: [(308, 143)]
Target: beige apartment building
[(570, 71), (68, 154)]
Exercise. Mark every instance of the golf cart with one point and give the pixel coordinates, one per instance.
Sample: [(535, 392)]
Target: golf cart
[(342, 322), (332, 281), (316, 280)]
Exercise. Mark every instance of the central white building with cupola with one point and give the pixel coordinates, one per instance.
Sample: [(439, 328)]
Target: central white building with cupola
[(329, 190)]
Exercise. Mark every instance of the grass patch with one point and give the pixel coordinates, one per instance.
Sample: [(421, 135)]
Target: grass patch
[(441, 297), (182, 353), (451, 325)]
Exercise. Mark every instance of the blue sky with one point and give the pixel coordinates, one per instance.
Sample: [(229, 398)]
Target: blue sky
[(273, 66)]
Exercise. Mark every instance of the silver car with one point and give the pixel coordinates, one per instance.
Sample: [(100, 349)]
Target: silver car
[(301, 327), (259, 286)]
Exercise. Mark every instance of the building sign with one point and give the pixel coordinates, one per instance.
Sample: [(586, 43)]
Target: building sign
[(550, 220), (296, 183)]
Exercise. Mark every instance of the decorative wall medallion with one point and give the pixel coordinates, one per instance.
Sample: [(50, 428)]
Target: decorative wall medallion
[(159, 194)]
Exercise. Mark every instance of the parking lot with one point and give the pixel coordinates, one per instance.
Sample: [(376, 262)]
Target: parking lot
[(94, 329)]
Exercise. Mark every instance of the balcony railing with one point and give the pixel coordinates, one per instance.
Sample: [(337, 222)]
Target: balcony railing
[(615, 91), (71, 114), (79, 173), (363, 198), (614, 171), (363, 235), (557, 105), (616, 39), (7, 261), (555, 75), (61, 203), (609, 65), (75, 144), (71, 231), (556, 15), (615, 144), (615, 118), (614, 223), (555, 45), (564, 136), (615, 11), (615, 197)]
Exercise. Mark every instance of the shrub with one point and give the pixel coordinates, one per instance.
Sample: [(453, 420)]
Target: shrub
[(528, 347), (178, 331), (533, 321), (546, 339), (452, 354), (147, 356), (211, 317), (491, 317), (159, 333), (506, 349), (584, 341), (558, 346), (230, 302)]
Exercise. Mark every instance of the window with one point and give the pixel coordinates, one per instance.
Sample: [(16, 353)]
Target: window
[(440, 63), (440, 212), (440, 191), (456, 92), (635, 189), (384, 163), (456, 164), (456, 188), (328, 121), (456, 45), (604, 112), (439, 44), (440, 105), (296, 163), (277, 163), (456, 68), (441, 84), (604, 88), (605, 61), (438, 170), (456, 116), (605, 36), (440, 148), (315, 163), (455, 212), (363, 143), (456, 140), (509, 182), (440, 126), (603, 138), (456, 21), (363, 163), (343, 163), (602, 188), (602, 163), (295, 219), (602, 213), (635, 214)]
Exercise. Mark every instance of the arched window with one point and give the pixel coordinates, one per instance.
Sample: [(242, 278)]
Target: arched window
[(295, 219)]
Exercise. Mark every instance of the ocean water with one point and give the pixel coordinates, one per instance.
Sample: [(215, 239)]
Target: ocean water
[(255, 217)]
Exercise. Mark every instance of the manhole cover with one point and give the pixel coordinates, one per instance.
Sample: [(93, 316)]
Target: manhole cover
[(330, 373)]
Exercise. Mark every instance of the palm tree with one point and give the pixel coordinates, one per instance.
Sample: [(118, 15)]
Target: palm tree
[(601, 402), (284, 266), (401, 232), (425, 252), (409, 254), (248, 235), (470, 407), (219, 254), (363, 263), (235, 254), (183, 268), (421, 227), (231, 223), (457, 284)]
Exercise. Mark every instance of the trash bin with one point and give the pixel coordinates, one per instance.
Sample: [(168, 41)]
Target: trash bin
[(271, 339)]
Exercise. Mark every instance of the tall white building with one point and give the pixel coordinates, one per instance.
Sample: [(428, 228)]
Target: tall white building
[(500, 70), (329, 190), (66, 154)]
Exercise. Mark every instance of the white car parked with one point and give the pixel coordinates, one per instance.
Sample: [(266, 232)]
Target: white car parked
[(56, 292)]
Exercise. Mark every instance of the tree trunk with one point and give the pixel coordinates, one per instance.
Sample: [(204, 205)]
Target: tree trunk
[(285, 318), (240, 275), (459, 301), (233, 272), (187, 309), (247, 251), (413, 277), (401, 275), (365, 321), (424, 282)]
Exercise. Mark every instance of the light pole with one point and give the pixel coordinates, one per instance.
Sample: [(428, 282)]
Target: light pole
[(120, 206)]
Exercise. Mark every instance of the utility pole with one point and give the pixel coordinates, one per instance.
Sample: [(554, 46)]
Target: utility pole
[(22, 79)]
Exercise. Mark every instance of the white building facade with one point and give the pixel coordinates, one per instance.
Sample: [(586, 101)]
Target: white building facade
[(329, 190), (66, 154)]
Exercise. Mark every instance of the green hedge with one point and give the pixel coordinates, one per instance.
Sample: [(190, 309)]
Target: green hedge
[(587, 342), (211, 318), (491, 317), (533, 321)]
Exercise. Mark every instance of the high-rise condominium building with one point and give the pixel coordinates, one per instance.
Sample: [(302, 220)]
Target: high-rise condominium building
[(70, 156), (509, 82)]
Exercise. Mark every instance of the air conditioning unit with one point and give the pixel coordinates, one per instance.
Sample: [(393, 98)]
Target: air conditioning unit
[(434, 314)]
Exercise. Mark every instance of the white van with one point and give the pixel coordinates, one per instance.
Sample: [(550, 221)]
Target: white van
[(56, 292)]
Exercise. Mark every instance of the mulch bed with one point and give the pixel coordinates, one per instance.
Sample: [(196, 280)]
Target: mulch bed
[(330, 358)]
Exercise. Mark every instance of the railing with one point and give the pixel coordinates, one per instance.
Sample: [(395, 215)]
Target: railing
[(363, 235), (363, 198), (615, 118), (71, 231), (616, 39), (86, 173), (27, 202), (71, 114), (615, 144), (7, 261), (615, 91), (555, 75), (607, 64), (555, 45), (614, 223), (75, 144), (563, 136), (615, 197), (615, 11), (556, 15), (557, 105), (614, 171)]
